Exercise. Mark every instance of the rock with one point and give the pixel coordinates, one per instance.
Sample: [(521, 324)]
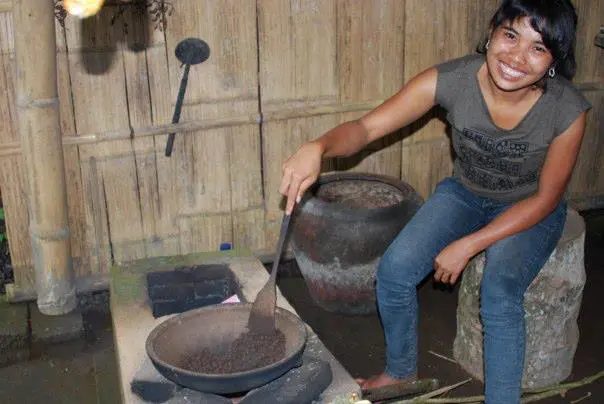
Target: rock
[(150, 385), (552, 303), (55, 329), (300, 385), (188, 396)]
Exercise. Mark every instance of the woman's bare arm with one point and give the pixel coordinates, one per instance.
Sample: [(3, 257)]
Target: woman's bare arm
[(302, 169)]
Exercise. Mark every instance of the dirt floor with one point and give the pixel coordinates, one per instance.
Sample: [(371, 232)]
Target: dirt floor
[(357, 341)]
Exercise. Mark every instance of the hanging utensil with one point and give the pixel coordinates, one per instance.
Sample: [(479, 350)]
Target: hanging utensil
[(262, 314), (190, 51)]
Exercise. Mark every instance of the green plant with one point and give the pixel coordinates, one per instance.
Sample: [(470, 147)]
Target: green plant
[(2, 228)]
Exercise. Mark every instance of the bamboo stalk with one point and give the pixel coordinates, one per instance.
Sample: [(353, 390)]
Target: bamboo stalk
[(13, 148), (428, 396), (442, 357), (561, 388), (534, 394), (39, 130)]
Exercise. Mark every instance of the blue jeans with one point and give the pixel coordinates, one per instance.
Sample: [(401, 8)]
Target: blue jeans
[(453, 212)]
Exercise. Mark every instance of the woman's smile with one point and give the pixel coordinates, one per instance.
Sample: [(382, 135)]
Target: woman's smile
[(512, 73)]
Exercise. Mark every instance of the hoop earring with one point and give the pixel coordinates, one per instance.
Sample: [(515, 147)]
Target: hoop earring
[(486, 45), (551, 72)]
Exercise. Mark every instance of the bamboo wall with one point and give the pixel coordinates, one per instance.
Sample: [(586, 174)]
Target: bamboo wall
[(280, 72)]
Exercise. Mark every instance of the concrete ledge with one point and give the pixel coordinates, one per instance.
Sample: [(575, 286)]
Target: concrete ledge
[(55, 329), (14, 333)]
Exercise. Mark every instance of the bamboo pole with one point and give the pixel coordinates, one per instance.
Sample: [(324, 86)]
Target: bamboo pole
[(13, 148), (39, 130)]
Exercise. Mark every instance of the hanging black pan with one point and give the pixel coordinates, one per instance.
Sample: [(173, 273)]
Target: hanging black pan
[(172, 342)]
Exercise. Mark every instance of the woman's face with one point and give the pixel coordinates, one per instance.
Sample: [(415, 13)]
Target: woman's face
[(517, 57)]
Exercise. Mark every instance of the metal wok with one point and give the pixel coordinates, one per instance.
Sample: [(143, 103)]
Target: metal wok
[(214, 326)]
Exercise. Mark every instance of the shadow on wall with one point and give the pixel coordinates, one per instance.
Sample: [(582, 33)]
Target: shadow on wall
[(131, 24)]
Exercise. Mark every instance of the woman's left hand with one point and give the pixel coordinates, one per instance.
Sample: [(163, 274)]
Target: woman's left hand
[(451, 261)]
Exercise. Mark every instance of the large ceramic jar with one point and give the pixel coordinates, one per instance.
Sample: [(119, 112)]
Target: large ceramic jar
[(341, 228)]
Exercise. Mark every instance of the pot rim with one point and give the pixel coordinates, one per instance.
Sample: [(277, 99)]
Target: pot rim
[(313, 204)]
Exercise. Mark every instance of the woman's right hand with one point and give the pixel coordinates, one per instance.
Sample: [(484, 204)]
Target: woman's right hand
[(300, 171)]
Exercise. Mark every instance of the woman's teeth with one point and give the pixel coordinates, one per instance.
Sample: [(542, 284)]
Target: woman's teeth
[(511, 72)]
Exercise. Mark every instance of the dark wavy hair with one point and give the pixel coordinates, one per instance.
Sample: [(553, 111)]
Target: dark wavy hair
[(555, 20)]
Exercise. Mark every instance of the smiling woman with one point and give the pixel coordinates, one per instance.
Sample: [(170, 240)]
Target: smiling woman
[(516, 126)]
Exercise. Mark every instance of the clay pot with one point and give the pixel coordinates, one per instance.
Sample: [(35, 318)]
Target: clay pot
[(341, 228)]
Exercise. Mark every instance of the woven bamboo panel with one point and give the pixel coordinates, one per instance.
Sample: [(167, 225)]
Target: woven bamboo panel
[(226, 84), (414, 171), (315, 53), (108, 169), (202, 233), (8, 129), (276, 148), (455, 30), (297, 54), (218, 171), (371, 48), (587, 186), (7, 44), (12, 178), (144, 56), (75, 196), (14, 199), (586, 189), (12, 170), (150, 91), (590, 58), (380, 157)]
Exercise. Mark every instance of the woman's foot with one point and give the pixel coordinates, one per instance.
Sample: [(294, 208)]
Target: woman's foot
[(382, 380)]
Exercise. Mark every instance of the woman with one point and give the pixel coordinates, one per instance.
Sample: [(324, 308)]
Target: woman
[(517, 125)]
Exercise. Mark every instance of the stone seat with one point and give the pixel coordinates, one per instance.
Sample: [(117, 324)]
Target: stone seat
[(552, 303)]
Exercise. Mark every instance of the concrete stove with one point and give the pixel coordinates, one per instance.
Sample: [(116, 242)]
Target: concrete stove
[(133, 320)]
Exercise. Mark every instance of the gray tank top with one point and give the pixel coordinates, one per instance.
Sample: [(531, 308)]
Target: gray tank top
[(490, 161)]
